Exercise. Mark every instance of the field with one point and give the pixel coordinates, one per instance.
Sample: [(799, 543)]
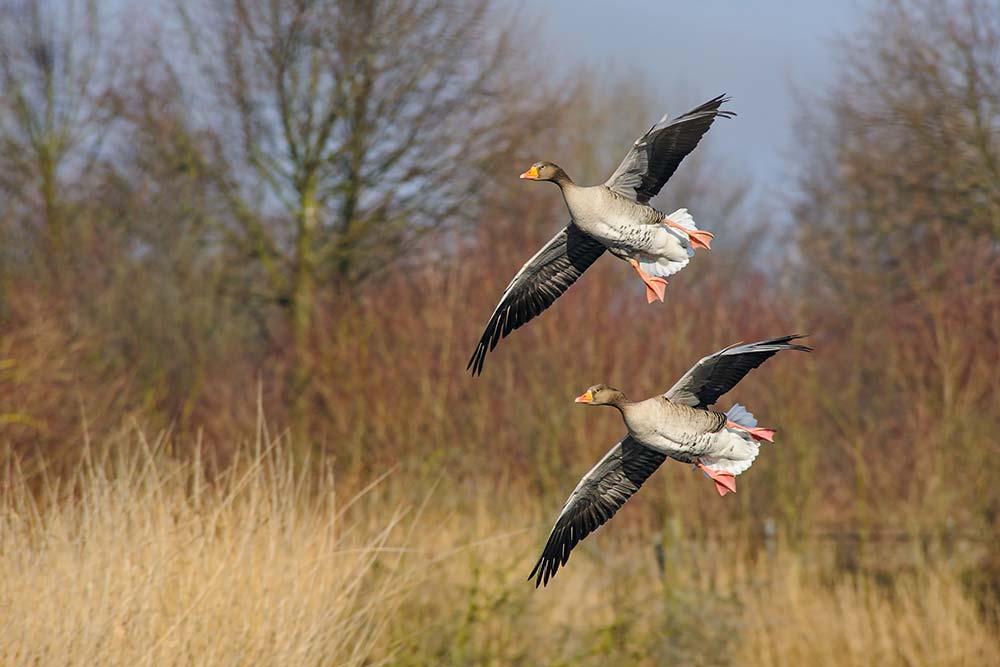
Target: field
[(247, 247), (138, 559), (404, 532)]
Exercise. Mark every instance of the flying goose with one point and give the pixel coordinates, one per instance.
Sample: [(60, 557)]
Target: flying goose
[(614, 216), (676, 424)]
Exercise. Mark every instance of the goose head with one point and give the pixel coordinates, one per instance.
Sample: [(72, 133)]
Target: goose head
[(601, 394), (546, 171)]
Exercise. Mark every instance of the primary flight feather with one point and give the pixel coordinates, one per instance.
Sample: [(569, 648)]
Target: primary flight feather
[(614, 216), (677, 424)]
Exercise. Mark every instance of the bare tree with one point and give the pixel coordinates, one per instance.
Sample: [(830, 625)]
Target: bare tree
[(899, 227), (52, 121), (349, 129), (908, 161)]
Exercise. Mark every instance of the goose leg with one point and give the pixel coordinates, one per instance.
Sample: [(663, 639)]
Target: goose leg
[(757, 432), (699, 237), (725, 482), (656, 287)]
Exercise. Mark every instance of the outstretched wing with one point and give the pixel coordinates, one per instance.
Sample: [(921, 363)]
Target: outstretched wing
[(542, 280), (717, 373), (595, 500), (654, 157)]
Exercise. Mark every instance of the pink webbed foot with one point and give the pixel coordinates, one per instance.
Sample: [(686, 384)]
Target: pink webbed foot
[(725, 482), (757, 432), (699, 238), (656, 287)]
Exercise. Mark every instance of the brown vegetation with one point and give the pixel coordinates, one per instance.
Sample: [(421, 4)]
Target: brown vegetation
[(152, 242), (137, 559)]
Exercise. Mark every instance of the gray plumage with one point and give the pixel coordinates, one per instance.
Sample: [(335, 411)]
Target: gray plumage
[(542, 280), (612, 216), (717, 373), (655, 156), (677, 425), (597, 497)]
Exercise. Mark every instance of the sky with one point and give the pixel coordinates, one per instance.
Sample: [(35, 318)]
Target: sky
[(768, 55)]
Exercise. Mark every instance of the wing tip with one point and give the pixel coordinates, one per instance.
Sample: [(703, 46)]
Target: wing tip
[(475, 365), (538, 572), (555, 554), (716, 102), (787, 340), (783, 343), (709, 108)]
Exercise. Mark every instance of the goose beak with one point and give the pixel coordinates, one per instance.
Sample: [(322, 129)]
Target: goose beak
[(588, 397), (531, 174)]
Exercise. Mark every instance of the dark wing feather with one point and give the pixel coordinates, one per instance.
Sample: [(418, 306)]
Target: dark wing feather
[(595, 500), (542, 280), (717, 373), (655, 156)]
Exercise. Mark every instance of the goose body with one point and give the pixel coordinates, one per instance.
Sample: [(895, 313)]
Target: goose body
[(681, 432), (677, 424), (627, 228), (614, 216)]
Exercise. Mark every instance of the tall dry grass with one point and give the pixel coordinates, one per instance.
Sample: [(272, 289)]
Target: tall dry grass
[(140, 558)]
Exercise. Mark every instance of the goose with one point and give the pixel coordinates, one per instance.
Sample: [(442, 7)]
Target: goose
[(613, 216), (677, 424)]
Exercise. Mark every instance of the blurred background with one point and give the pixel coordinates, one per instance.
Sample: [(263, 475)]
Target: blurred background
[(247, 247)]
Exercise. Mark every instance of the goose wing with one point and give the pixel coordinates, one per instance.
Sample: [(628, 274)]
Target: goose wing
[(717, 373), (597, 497), (542, 280), (655, 156)]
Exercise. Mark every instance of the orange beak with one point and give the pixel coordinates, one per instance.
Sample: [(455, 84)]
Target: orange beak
[(587, 397), (531, 174)]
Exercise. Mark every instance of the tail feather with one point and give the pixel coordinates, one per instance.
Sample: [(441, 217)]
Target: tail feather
[(661, 266), (697, 238), (743, 452), (741, 416), (683, 218), (740, 449)]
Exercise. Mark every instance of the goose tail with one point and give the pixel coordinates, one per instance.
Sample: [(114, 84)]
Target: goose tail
[(738, 448)]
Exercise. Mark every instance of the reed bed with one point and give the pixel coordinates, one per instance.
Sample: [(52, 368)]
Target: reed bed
[(141, 558)]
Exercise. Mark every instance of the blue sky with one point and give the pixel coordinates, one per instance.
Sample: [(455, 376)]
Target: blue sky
[(767, 54)]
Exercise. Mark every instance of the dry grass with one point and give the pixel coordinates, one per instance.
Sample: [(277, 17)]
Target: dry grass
[(123, 552), (399, 526), (919, 619), (139, 559)]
